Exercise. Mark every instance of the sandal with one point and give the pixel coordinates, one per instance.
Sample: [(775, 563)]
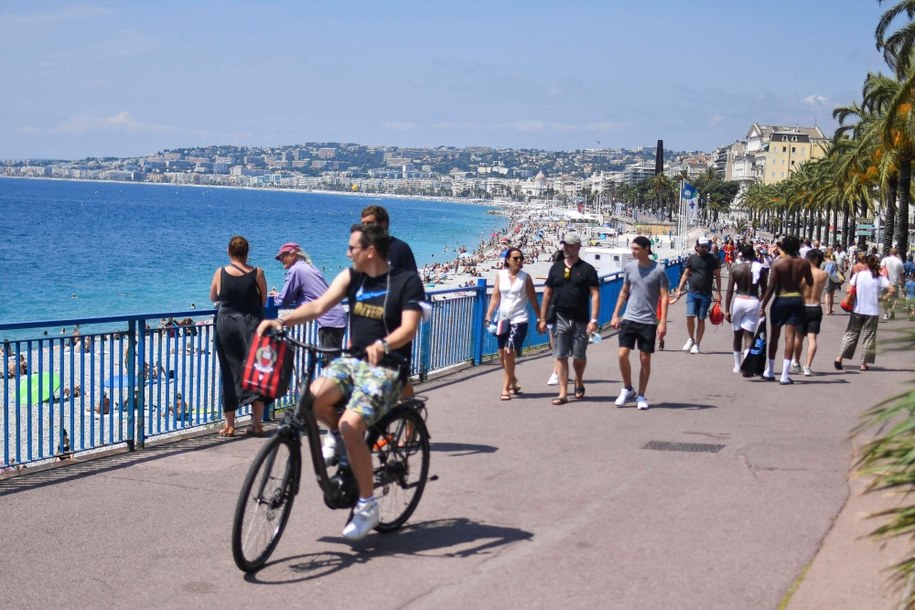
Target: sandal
[(580, 392), (252, 431), (224, 432), (505, 397), (837, 364), (864, 367), (515, 389), (560, 401)]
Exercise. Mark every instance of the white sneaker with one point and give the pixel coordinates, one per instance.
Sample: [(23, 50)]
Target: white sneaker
[(625, 396), (736, 369), (808, 372), (689, 343), (695, 349), (641, 404), (329, 449), (795, 367), (553, 380), (365, 517)]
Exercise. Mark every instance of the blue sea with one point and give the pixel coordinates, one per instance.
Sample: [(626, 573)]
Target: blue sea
[(73, 249)]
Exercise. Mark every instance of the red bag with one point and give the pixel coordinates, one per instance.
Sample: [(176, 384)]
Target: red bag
[(268, 366), (848, 303), (715, 316)]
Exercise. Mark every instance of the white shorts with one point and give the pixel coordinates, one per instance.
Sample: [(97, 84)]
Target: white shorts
[(745, 314)]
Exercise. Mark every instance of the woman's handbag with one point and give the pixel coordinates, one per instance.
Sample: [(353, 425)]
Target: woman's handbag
[(848, 303), (268, 366), (503, 326)]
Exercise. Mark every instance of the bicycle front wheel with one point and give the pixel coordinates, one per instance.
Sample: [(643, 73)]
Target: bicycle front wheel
[(264, 503), (399, 443)]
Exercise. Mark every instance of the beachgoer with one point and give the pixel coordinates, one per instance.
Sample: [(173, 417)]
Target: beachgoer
[(788, 307), (305, 283), (863, 319), (894, 270), (809, 325), (831, 267), (701, 270), (512, 293), (910, 295), (385, 313), (570, 285), (744, 283), (644, 283), (241, 292)]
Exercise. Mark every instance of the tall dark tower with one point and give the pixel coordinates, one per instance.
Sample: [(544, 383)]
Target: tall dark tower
[(659, 158)]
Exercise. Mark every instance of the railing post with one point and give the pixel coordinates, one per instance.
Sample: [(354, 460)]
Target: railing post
[(476, 323), (139, 390), (131, 379)]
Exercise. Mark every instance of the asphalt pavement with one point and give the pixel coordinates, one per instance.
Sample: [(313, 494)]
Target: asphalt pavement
[(728, 493)]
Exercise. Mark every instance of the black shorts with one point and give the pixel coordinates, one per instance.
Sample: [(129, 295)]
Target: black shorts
[(786, 311), (632, 333), (810, 323)]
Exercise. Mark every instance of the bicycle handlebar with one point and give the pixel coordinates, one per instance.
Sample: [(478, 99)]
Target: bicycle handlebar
[(282, 335)]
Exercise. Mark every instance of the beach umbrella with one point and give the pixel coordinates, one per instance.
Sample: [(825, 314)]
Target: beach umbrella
[(39, 387)]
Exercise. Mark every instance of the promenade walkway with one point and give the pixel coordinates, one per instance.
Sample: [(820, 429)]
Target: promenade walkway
[(535, 506)]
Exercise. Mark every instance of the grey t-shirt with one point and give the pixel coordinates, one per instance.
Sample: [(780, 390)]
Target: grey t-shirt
[(645, 286)]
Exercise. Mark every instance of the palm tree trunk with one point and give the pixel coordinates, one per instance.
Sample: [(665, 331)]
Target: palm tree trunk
[(889, 216), (902, 212)]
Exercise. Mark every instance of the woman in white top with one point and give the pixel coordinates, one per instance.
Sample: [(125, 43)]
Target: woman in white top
[(512, 293), (868, 285)]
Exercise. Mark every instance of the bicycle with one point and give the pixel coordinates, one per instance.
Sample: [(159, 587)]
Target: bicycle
[(399, 444)]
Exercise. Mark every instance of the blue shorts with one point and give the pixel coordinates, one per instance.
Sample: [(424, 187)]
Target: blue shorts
[(697, 304), (786, 311)]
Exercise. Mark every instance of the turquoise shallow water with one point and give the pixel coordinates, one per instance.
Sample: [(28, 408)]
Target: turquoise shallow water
[(85, 249)]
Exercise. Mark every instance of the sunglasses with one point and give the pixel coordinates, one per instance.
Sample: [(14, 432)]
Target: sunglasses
[(517, 258), (567, 273)]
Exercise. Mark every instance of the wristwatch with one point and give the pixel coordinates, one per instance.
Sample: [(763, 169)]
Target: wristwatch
[(593, 320)]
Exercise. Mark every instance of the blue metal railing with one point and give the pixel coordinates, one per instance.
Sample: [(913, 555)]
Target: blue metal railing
[(126, 379)]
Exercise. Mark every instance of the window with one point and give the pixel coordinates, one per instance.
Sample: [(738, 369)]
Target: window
[(784, 149), (793, 149)]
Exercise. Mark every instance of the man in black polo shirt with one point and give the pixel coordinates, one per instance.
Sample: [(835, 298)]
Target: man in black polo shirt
[(569, 285)]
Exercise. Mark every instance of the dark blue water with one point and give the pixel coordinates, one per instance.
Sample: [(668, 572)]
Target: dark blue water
[(72, 249)]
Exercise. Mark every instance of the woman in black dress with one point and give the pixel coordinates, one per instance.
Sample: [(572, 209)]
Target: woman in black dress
[(241, 292)]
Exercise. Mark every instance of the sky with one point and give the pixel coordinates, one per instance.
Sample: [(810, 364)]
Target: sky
[(94, 79)]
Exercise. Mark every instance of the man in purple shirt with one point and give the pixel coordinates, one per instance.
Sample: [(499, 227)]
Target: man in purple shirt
[(305, 283)]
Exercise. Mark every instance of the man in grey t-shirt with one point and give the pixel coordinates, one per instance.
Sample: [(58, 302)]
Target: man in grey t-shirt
[(644, 286)]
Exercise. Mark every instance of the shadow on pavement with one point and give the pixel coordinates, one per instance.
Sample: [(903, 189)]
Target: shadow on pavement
[(442, 538), (461, 449)]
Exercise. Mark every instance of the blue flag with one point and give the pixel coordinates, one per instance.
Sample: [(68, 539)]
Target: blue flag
[(688, 192)]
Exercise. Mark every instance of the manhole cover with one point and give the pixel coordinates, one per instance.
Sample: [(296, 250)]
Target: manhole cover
[(688, 447)]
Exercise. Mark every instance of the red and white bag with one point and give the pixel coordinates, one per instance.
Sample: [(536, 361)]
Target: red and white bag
[(268, 366)]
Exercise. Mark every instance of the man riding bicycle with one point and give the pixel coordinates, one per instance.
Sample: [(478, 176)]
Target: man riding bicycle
[(384, 316)]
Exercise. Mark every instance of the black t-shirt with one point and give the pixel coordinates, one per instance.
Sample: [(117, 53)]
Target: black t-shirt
[(400, 256), (376, 303), (702, 271), (572, 296)]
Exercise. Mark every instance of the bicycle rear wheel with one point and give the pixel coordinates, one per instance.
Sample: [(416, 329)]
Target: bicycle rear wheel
[(399, 443), (265, 502)]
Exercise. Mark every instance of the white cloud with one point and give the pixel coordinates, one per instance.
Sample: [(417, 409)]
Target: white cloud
[(66, 13), (121, 122), (815, 100), (528, 125)]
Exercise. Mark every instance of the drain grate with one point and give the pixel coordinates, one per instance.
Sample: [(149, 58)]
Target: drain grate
[(688, 447)]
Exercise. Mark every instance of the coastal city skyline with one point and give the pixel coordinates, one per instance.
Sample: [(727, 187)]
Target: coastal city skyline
[(105, 79)]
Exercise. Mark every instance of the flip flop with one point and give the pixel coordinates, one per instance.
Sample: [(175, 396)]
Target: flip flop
[(560, 401), (515, 389), (505, 397), (837, 365), (580, 392), (224, 432), (864, 367), (252, 431)]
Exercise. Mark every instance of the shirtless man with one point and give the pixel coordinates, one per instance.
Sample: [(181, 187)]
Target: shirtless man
[(813, 312), (788, 307), (745, 280)]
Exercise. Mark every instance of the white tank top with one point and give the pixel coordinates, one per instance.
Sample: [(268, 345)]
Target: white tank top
[(513, 297)]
